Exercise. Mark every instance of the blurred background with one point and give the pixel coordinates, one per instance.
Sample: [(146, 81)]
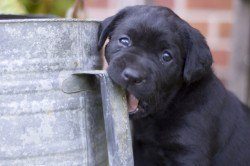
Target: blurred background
[(224, 23)]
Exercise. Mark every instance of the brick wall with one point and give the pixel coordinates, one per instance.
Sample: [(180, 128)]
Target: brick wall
[(212, 17), (100, 9)]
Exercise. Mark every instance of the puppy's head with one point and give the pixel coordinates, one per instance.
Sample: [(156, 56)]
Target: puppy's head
[(152, 52)]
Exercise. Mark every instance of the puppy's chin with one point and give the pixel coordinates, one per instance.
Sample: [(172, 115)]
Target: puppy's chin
[(137, 108)]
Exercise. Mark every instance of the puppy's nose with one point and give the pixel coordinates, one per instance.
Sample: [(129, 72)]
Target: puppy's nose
[(132, 76)]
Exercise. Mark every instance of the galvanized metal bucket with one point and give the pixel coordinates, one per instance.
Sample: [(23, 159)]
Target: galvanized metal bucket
[(53, 110)]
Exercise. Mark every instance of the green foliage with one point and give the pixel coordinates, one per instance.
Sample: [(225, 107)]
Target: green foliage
[(11, 7), (55, 7)]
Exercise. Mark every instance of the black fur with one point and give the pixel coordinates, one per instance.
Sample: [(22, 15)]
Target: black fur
[(186, 116)]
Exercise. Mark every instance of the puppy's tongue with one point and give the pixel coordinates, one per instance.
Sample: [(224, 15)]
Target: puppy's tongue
[(132, 103)]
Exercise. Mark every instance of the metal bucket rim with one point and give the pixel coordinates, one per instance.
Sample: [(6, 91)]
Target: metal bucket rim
[(48, 20)]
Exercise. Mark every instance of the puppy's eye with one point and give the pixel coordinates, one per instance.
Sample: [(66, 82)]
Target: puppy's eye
[(166, 56), (125, 41)]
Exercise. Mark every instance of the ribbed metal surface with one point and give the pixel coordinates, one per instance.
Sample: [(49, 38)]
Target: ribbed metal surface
[(39, 124)]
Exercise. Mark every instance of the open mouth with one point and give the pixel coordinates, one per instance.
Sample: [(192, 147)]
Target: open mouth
[(133, 104)]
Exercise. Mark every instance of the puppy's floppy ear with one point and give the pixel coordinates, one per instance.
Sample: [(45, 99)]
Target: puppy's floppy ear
[(198, 56), (107, 26)]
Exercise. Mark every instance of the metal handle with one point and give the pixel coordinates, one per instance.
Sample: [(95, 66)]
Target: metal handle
[(116, 119)]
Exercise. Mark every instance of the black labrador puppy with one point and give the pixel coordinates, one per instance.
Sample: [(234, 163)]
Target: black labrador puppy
[(184, 116)]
